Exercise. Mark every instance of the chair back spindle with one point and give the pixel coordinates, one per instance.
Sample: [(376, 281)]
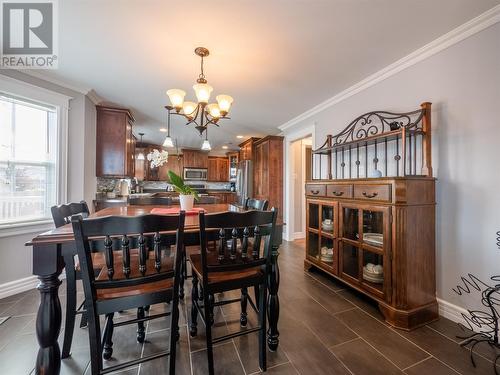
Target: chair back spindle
[(137, 268), (232, 229), (222, 244), (108, 246), (142, 254)]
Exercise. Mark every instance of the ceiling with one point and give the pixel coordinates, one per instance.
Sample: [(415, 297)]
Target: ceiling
[(277, 58)]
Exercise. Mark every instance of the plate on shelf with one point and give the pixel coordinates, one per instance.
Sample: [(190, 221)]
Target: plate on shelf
[(372, 279), (373, 273), (376, 239), (327, 258)]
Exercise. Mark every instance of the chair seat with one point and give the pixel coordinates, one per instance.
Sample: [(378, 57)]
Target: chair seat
[(222, 277), (157, 286), (167, 264)]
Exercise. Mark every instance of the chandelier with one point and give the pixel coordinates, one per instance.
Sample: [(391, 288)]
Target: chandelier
[(200, 114)]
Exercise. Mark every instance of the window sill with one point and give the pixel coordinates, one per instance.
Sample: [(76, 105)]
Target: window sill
[(16, 229)]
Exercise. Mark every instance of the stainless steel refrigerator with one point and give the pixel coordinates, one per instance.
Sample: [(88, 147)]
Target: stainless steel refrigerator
[(244, 181)]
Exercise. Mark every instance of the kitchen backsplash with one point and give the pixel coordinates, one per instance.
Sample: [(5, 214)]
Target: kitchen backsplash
[(112, 184)]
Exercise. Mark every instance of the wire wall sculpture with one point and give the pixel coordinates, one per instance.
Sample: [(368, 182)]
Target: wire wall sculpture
[(485, 323)]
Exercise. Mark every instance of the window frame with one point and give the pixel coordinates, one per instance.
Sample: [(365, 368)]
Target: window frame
[(60, 102)]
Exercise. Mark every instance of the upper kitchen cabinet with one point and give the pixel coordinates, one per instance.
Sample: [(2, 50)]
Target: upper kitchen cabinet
[(218, 169), (143, 169), (234, 158), (268, 171), (195, 158), (175, 163), (247, 148), (115, 143)]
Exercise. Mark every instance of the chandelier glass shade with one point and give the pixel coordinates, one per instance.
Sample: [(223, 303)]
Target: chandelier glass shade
[(202, 113)]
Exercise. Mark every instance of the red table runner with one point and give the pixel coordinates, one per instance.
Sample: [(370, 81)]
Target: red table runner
[(176, 210)]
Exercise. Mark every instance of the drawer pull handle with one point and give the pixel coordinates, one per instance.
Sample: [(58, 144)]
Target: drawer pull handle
[(373, 195), (315, 192), (338, 193)]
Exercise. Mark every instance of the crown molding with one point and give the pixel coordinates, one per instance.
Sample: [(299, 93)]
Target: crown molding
[(71, 86), (455, 36), (94, 98)]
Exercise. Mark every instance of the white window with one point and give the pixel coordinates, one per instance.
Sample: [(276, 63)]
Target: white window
[(28, 160)]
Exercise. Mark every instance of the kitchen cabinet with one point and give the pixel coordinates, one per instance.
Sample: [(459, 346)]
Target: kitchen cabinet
[(143, 170), (246, 149), (175, 163), (234, 158), (195, 158), (115, 143), (227, 197), (140, 164), (218, 169), (268, 171)]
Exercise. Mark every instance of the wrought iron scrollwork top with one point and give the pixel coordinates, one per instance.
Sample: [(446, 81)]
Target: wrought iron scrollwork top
[(378, 122)]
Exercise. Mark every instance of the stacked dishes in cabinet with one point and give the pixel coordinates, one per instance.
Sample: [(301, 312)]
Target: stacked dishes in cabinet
[(373, 273), (326, 254)]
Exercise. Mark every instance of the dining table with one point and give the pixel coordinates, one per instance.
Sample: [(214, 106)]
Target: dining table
[(49, 249)]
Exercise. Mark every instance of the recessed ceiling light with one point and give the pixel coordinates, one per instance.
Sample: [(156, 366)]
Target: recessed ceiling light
[(224, 147), (239, 136), (163, 130)]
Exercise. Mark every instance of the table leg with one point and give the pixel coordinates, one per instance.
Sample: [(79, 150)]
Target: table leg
[(47, 264), (273, 303)]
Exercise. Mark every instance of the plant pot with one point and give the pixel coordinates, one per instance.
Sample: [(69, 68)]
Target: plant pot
[(187, 202)]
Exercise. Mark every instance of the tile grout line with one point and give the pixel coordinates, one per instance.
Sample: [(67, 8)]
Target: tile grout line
[(417, 363), (429, 354), (407, 339), (345, 342), (321, 342), (453, 341), (185, 309), (143, 345), (234, 344)]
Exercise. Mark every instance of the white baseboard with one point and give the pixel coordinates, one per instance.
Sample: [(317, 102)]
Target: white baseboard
[(22, 285), (451, 311), (299, 235), (18, 286)]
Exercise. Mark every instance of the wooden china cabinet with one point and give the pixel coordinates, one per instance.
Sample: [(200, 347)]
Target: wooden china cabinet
[(371, 213)]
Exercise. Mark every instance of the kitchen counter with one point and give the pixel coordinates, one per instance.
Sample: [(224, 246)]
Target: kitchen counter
[(213, 196)]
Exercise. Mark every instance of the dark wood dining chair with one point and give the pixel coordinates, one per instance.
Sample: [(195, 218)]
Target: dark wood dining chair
[(256, 204), (237, 267), (61, 215), (130, 280)]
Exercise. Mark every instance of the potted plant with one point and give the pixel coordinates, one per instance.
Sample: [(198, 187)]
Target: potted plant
[(186, 194)]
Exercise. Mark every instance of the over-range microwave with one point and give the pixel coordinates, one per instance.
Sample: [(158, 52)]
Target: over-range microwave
[(195, 174)]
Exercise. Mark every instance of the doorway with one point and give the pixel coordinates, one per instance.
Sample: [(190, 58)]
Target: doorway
[(300, 164)]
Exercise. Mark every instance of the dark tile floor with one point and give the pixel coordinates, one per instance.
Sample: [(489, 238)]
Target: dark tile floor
[(325, 328)]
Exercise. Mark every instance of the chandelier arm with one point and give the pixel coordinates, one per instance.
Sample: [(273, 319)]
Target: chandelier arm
[(211, 122)]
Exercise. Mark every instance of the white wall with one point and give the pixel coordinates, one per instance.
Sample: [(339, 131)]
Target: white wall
[(463, 83), (15, 258)]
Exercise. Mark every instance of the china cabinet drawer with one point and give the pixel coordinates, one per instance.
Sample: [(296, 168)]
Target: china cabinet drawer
[(381, 192), (316, 190), (339, 191)]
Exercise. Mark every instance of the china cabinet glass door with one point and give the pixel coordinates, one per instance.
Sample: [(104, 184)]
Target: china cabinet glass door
[(365, 247), (322, 229)]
